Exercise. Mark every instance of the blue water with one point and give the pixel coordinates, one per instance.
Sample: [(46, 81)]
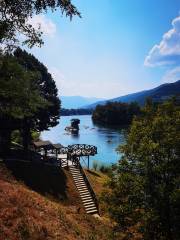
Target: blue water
[(105, 139)]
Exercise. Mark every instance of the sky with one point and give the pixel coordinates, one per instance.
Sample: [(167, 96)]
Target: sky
[(117, 47)]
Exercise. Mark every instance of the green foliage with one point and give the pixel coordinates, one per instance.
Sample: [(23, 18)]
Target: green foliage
[(28, 97), (95, 165), (145, 184), (14, 16), (35, 135), (19, 93), (115, 113), (45, 117), (98, 166), (16, 136), (105, 169)]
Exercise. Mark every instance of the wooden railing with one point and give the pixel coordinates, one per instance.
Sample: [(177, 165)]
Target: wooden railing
[(89, 187)]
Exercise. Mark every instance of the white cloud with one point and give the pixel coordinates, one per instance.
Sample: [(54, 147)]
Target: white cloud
[(172, 75), (45, 24), (167, 52)]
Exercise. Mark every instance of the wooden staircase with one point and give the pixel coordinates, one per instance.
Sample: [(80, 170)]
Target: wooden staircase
[(85, 190)]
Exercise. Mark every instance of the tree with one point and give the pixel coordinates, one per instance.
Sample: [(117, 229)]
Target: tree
[(44, 117), (14, 17), (144, 188), (115, 113), (20, 97)]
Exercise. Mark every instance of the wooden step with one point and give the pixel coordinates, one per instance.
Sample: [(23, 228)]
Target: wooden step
[(92, 211), (83, 190), (78, 177), (81, 186), (75, 170), (79, 181), (85, 194), (87, 199), (89, 208), (89, 204)]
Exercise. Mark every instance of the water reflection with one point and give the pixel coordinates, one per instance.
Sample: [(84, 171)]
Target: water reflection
[(75, 135)]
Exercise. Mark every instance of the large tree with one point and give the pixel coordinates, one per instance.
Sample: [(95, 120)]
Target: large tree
[(28, 96), (14, 16), (48, 117), (44, 117), (20, 97), (145, 187)]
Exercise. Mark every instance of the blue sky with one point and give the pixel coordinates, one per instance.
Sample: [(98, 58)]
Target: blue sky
[(117, 47)]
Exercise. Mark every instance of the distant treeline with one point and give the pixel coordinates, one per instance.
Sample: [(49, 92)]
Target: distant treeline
[(116, 113), (79, 111)]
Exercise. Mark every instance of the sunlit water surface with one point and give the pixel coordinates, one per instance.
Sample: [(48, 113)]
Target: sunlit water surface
[(106, 139)]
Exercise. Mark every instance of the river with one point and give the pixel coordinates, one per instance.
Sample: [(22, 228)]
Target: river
[(106, 139)]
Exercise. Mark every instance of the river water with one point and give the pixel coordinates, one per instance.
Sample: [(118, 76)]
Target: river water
[(106, 139)]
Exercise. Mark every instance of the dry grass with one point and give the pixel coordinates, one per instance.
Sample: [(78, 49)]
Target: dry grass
[(97, 180), (26, 214)]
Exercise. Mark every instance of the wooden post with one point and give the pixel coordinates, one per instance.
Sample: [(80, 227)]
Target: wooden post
[(56, 154), (45, 155), (88, 162)]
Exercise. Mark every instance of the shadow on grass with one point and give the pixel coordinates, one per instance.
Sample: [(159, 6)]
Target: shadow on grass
[(94, 173), (46, 180)]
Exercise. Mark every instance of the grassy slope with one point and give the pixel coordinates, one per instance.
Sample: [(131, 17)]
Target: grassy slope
[(49, 208), (98, 180)]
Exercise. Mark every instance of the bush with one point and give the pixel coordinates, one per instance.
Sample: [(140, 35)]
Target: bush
[(95, 165), (105, 169), (144, 188)]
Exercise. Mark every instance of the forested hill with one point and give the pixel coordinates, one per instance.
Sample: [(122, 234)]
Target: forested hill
[(74, 102), (160, 93)]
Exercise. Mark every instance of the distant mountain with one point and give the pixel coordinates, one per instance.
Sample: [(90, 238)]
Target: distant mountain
[(160, 93), (75, 102)]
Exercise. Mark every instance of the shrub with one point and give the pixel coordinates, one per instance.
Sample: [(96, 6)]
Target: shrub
[(95, 165)]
